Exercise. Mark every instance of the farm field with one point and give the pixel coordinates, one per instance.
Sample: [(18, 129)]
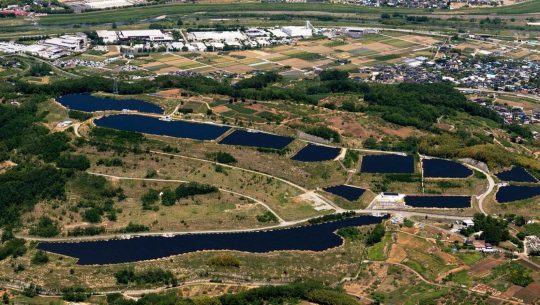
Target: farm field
[(288, 59)]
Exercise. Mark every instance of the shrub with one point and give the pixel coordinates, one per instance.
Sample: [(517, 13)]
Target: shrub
[(14, 248), (88, 231), (267, 217), (134, 228), (224, 260), (150, 197), (40, 258), (375, 235), (222, 157), (168, 197), (408, 223), (78, 162), (79, 115), (351, 158), (92, 215), (152, 276), (75, 294)]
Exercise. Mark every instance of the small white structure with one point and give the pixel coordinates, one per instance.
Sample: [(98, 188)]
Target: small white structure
[(467, 222)]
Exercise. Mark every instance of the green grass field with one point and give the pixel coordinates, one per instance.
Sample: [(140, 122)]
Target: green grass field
[(138, 13)]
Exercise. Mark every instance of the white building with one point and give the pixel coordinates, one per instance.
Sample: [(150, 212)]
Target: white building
[(278, 33), (356, 32), (297, 31), (74, 43), (217, 36), (148, 35), (255, 32), (107, 36)]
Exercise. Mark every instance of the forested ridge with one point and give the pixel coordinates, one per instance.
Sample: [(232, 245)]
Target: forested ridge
[(407, 104)]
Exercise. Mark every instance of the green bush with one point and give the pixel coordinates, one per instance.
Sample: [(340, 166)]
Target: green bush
[(92, 215), (71, 161), (194, 188), (45, 228), (351, 158), (267, 217), (14, 248), (152, 276), (222, 157), (325, 133), (87, 231), (351, 233), (134, 228), (224, 260), (79, 115), (168, 197)]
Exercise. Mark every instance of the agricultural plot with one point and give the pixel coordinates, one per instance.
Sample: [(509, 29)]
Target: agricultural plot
[(303, 56)]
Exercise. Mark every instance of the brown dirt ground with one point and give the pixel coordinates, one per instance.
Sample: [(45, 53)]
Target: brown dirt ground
[(530, 293), (380, 47), (483, 267), (348, 47), (239, 69), (318, 49), (420, 39), (352, 127), (397, 254), (510, 292), (167, 70), (220, 109), (403, 132), (296, 63)]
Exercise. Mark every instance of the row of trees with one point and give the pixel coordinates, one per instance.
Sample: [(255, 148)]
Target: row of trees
[(493, 230), (285, 294)]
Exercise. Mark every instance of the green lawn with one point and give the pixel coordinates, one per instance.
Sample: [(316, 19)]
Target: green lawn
[(377, 251)]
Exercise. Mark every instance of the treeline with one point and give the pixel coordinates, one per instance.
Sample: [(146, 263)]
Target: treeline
[(152, 276), (420, 105), (407, 104), (285, 294), (325, 133), (332, 217), (194, 188)]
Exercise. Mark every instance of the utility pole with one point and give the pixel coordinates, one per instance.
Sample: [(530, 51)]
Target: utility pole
[(115, 85)]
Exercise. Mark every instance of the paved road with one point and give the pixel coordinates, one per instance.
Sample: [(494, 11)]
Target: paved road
[(491, 185)]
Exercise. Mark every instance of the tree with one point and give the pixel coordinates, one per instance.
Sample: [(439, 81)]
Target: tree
[(46, 227), (78, 162), (92, 215), (39, 69), (168, 197), (375, 235), (333, 74)]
